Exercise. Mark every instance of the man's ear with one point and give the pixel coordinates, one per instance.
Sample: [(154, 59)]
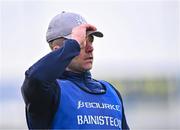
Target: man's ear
[(55, 47)]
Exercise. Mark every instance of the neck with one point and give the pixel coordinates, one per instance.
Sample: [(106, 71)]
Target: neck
[(68, 74), (75, 71)]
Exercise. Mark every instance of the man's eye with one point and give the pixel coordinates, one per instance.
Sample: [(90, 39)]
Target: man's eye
[(90, 38)]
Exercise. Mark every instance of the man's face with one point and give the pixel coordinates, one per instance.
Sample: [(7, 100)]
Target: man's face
[(83, 62)]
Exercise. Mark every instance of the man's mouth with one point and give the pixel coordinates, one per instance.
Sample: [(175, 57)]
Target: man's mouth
[(89, 58)]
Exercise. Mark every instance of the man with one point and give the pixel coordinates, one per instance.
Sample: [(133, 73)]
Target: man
[(59, 91)]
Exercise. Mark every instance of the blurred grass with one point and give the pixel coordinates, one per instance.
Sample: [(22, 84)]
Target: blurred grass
[(147, 89)]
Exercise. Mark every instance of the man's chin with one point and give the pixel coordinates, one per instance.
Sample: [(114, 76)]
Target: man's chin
[(88, 67)]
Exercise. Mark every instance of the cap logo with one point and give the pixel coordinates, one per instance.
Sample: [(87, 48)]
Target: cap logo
[(79, 20)]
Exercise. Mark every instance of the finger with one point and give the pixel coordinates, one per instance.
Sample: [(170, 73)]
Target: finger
[(89, 27)]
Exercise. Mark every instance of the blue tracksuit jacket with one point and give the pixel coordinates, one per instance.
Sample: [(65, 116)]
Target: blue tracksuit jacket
[(42, 93)]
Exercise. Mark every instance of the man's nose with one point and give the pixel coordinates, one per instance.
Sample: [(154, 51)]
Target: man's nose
[(89, 48)]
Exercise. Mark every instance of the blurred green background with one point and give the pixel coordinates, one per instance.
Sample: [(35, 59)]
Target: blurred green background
[(151, 103)]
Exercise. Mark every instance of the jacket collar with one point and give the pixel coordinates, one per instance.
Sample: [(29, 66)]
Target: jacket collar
[(84, 76), (85, 82)]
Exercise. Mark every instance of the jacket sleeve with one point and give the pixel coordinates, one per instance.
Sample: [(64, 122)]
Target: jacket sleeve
[(39, 89), (124, 122)]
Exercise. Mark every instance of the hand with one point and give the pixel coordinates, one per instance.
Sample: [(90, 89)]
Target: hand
[(79, 33)]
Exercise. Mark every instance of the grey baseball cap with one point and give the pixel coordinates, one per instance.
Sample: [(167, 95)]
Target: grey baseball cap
[(62, 24)]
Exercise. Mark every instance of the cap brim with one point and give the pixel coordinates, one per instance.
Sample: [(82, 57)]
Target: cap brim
[(95, 33)]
